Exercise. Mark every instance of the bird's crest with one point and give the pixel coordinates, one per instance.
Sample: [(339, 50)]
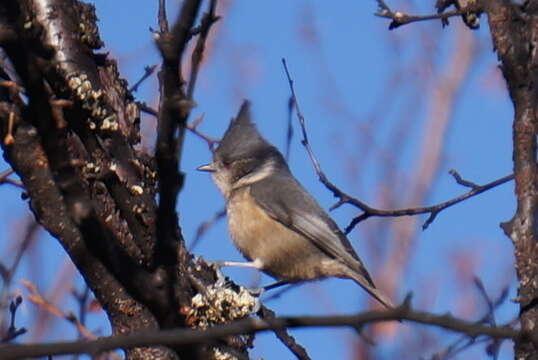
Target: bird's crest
[(241, 138)]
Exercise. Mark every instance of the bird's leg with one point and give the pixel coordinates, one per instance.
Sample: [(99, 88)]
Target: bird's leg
[(275, 285), (256, 264), (258, 292)]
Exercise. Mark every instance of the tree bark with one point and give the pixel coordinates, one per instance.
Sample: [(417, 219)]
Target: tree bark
[(69, 127), (514, 31)]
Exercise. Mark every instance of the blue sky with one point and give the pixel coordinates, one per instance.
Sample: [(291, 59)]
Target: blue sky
[(350, 74)]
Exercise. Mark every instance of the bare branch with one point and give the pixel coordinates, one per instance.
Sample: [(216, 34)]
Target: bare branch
[(462, 181), (288, 340), (180, 337), (398, 18), (82, 298), (192, 127), (368, 211), (208, 20), (289, 133), (148, 71), (163, 20), (464, 342), (13, 331), (433, 210), (39, 300), (206, 225), (4, 179)]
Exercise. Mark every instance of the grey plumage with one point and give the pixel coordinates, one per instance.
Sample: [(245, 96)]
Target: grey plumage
[(272, 219)]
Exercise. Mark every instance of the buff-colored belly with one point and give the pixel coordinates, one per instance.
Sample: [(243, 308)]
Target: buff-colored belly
[(284, 253)]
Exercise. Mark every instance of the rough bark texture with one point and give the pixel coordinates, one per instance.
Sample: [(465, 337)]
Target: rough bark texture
[(72, 144), (514, 31)]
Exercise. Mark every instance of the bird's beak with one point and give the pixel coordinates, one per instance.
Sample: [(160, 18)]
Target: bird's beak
[(206, 167)]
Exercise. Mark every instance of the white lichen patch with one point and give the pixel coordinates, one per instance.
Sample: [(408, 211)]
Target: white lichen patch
[(137, 209), (110, 123), (137, 190), (220, 305), (92, 168), (218, 354), (93, 101)]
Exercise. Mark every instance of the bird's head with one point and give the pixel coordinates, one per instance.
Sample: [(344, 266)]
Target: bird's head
[(243, 155)]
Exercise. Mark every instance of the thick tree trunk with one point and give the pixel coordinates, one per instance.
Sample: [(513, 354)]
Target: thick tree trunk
[(514, 30), (69, 127)]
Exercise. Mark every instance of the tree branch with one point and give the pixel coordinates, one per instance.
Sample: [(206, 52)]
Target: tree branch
[(208, 20), (368, 211), (250, 325), (289, 341), (398, 18), (433, 210), (148, 71)]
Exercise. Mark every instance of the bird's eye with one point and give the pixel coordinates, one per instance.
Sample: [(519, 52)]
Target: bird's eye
[(226, 164)]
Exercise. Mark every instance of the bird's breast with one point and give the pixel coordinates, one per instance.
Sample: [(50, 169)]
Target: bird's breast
[(250, 227), (284, 253)]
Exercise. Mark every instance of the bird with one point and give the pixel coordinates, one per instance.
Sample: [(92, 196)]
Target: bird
[(273, 221)]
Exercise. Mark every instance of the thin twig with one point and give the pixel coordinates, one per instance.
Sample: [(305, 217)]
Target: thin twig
[(283, 335), (27, 236), (289, 133), (30, 234), (13, 331), (147, 109), (163, 20), (368, 211), (5, 174), (15, 183), (192, 127), (305, 141), (38, 299), (464, 342), (148, 71), (208, 20), (398, 18), (462, 181), (206, 225), (82, 300), (433, 210), (5, 179)]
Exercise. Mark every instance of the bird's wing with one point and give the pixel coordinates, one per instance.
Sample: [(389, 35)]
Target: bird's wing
[(286, 201)]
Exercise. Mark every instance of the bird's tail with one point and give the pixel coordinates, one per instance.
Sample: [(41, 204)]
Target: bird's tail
[(372, 290)]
